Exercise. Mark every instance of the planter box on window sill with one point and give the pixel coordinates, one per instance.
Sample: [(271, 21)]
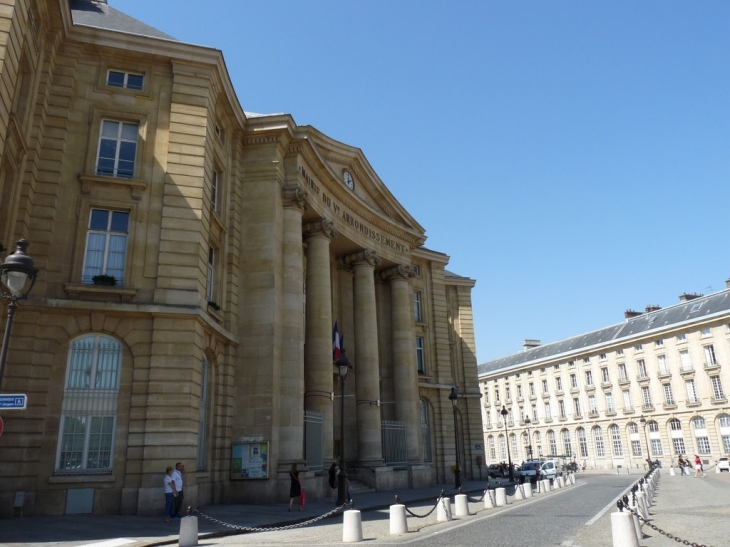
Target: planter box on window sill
[(99, 292)]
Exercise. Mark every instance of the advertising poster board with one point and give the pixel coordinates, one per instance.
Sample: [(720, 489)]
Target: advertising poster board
[(250, 460)]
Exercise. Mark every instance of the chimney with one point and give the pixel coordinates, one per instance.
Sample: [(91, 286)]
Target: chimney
[(529, 344), (628, 314), (686, 297), (652, 307), (727, 283)]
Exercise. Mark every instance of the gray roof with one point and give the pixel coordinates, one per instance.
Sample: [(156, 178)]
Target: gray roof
[(98, 14), (684, 312)]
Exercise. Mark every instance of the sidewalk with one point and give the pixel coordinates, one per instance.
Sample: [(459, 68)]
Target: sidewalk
[(695, 510)]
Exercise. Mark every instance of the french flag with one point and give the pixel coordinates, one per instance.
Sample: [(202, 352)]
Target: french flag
[(335, 343)]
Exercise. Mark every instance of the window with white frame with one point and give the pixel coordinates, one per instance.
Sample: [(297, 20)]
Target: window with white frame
[(616, 440), (717, 393), (552, 442), (117, 149), (681, 337), (605, 377), (726, 443), (548, 411), (545, 387), (567, 447), (659, 343), (492, 449), (724, 421), (532, 389), (421, 358), (210, 281), (106, 245), (703, 445), (646, 396), (627, 399), (620, 351), (203, 416), (675, 424), (685, 360), (576, 406), (622, 372), (699, 422), (496, 393), (89, 408), (534, 414), (507, 394), (519, 392), (573, 382), (636, 448), (589, 378), (417, 312), (656, 447), (561, 408), (678, 445), (662, 362), (602, 356), (609, 403), (598, 442), (488, 414), (503, 446), (214, 190), (642, 368), (653, 427), (638, 347), (582, 442), (592, 408), (513, 442), (668, 394), (691, 392), (558, 384), (710, 359), (705, 332), (128, 80), (633, 428)]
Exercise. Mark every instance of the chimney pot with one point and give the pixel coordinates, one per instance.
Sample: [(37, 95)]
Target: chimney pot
[(529, 343), (686, 297), (628, 314)]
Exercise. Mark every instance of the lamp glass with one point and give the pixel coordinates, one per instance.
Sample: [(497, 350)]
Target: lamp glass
[(343, 370), (15, 281)]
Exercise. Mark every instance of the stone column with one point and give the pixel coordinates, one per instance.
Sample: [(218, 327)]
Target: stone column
[(291, 394), (366, 362), (405, 376), (318, 367)]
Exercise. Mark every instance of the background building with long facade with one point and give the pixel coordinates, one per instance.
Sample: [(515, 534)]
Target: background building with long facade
[(650, 386), (194, 262)]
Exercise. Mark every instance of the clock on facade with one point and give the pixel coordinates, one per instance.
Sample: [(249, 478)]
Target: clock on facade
[(349, 182)]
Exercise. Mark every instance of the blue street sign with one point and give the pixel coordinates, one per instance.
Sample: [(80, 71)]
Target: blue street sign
[(13, 402)]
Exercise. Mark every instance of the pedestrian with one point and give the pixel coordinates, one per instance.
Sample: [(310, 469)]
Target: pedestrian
[(295, 487), (680, 464), (333, 482), (170, 494), (178, 478), (698, 466)]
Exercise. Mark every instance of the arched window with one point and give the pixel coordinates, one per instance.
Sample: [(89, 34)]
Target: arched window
[(503, 447), (513, 447), (567, 448), (598, 441), (492, 449), (582, 442), (552, 444), (618, 449), (203, 412), (724, 422), (701, 439), (89, 409), (425, 431)]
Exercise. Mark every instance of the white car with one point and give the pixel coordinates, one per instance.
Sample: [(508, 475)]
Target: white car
[(723, 464)]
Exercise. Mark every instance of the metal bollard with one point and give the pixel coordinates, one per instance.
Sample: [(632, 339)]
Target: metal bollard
[(398, 522), (351, 526)]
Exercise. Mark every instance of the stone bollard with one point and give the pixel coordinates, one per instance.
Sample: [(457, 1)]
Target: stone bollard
[(398, 523), (519, 492), (188, 531), (443, 510), (501, 497), (461, 505), (352, 526), (488, 501), (637, 526), (641, 507), (546, 485), (717, 469), (671, 472), (623, 531), (528, 489)]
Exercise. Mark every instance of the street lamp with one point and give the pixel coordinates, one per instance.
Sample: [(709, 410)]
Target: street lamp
[(529, 438), (454, 397), (504, 414), (343, 365), (646, 439), (14, 274)]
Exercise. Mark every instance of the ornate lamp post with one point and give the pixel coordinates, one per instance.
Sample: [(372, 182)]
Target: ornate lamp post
[(14, 274), (454, 397), (529, 438), (646, 439), (504, 414), (343, 365)]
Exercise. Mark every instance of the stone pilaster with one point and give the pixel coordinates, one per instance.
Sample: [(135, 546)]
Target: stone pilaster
[(405, 378), (366, 362), (318, 368), (291, 432)]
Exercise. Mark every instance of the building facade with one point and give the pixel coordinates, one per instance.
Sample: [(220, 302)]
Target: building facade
[(198, 263), (652, 386)]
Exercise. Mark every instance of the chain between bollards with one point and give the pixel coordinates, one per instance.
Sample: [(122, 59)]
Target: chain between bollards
[(399, 501)]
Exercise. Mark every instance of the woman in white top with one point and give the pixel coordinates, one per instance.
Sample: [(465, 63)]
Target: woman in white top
[(170, 495)]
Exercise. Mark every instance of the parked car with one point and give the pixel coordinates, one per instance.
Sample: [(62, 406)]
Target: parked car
[(549, 469), (723, 464), (531, 470), (495, 471)]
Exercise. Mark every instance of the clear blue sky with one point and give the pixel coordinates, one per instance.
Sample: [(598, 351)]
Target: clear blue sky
[(572, 157)]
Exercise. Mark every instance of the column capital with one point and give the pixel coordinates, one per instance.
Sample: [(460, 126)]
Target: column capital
[(295, 197), (320, 227), (365, 256), (401, 271)]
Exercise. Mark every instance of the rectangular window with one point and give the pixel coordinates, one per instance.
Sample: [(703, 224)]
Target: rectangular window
[(420, 357), (646, 395), (685, 360), (627, 399), (124, 79), (636, 448), (545, 387), (638, 347), (659, 343), (576, 407), (507, 394), (619, 351), (609, 403), (656, 447), (214, 191), (210, 281), (618, 449), (703, 445), (582, 443), (602, 356), (668, 395), (117, 149), (558, 384), (548, 411), (573, 381), (726, 443), (705, 332), (662, 362), (691, 392), (717, 393), (592, 408), (534, 417), (681, 337), (710, 359), (678, 445), (642, 368), (561, 408), (605, 378), (519, 392), (622, 373), (598, 438), (417, 313), (532, 389), (589, 378), (106, 245)]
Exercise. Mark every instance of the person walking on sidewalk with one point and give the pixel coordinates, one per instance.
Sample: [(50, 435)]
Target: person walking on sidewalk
[(332, 479), (170, 495), (698, 466), (177, 477), (295, 488)]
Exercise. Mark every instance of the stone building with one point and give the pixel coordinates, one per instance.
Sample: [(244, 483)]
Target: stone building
[(651, 386), (195, 260)]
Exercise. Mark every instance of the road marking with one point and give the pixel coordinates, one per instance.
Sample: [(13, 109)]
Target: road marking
[(609, 506), (110, 543)]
